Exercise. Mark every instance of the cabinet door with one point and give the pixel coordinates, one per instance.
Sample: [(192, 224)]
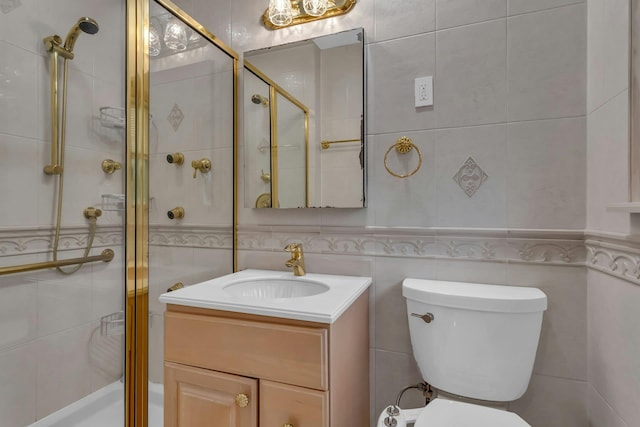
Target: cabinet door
[(195, 397), (282, 404)]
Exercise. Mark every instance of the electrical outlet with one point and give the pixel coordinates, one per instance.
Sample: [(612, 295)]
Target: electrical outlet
[(424, 91)]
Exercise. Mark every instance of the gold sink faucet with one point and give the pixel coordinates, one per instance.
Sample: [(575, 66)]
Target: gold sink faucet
[(297, 258)]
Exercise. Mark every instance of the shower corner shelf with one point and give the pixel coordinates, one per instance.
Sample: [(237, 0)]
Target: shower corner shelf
[(113, 202), (112, 324), (112, 117)]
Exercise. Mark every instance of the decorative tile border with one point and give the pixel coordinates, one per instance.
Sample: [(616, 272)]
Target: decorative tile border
[(534, 246), (38, 240), (192, 237), (28, 241), (617, 257), (611, 254)]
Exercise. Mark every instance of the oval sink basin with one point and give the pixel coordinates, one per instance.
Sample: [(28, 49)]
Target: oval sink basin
[(275, 288)]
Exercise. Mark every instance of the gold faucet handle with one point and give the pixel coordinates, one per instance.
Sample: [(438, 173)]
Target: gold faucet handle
[(293, 247), (203, 165)]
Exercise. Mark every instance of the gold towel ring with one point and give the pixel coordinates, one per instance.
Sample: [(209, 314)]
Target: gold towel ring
[(403, 146)]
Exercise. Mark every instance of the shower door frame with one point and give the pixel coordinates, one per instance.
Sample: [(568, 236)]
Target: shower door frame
[(137, 197)]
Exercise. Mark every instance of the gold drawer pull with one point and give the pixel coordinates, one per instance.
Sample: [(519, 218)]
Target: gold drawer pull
[(287, 425), (242, 400)]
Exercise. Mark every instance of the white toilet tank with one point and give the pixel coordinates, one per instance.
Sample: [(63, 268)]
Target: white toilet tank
[(482, 340)]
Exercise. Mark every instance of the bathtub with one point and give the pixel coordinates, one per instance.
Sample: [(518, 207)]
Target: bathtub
[(104, 408)]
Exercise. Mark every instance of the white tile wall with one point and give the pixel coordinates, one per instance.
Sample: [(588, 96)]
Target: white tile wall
[(613, 351), (18, 379), (546, 62), (471, 71), (48, 356), (601, 414), (517, 7), (454, 13), (614, 344), (393, 66), (397, 18), (547, 174), (487, 145), (553, 402)]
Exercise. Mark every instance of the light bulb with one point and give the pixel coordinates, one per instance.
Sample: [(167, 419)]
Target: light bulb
[(280, 12), (175, 35), (154, 41), (315, 7)]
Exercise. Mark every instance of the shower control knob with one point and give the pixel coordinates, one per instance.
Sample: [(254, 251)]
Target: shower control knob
[(203, 165), (175, 158), (110, 166), (176, 213), (92, 212)]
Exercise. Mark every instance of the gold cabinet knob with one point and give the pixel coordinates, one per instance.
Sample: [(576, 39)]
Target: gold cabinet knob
[(110, 166), (203, 165), (176, 213), (242, 400), (175, 158)]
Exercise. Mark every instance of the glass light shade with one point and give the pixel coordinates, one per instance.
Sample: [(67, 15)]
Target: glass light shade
[(175, 35), (315, 7), (194, 37), (280, 12), (154, 41)]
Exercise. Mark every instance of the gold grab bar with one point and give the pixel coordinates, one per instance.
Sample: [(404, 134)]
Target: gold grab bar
[(106, 256), (327, 144)]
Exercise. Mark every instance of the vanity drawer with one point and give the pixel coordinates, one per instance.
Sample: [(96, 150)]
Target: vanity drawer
[(282, 404), (289, 354)]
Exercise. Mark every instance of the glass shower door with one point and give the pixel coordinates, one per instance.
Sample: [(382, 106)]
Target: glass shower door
[(191, 168)]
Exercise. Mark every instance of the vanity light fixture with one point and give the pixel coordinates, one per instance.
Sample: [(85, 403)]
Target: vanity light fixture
[(315, 7), (155, 46), (285, 13), (175, 35), (280, 12)]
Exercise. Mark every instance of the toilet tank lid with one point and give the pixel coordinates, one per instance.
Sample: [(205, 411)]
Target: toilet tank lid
[(475, 296)]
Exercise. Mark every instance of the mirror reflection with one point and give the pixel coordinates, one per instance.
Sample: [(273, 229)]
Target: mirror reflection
[(303, 123)]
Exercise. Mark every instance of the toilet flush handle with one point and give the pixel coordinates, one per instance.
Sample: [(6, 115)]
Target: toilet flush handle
[(428, 318)]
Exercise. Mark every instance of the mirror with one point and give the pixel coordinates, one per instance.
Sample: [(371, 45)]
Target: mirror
[(303, 109)]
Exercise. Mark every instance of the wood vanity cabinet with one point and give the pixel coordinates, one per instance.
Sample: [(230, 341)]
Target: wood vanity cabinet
[(292, 372)]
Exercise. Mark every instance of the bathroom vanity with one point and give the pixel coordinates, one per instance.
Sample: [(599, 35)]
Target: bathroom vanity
[(259, 360)]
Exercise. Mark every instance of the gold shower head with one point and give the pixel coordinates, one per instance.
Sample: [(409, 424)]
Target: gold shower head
[(86, 25)]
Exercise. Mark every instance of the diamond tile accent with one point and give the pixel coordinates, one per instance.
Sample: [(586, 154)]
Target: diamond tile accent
[(470, 177), (175, 117), (7, 6)]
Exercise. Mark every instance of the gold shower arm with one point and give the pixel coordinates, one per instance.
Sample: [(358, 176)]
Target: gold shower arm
[(105, 256), (327, 144)]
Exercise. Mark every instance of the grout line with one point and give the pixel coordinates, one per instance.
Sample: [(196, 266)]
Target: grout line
[(546, 9), (476, 126), (606, 102)]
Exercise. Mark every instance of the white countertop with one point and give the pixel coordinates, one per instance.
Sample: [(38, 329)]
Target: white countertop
[(323, 308)]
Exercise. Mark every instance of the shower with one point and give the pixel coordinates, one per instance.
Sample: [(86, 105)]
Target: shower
[(56, 48)]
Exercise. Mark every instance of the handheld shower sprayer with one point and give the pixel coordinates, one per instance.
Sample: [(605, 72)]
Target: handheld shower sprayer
[(55, 48), (86, 25)]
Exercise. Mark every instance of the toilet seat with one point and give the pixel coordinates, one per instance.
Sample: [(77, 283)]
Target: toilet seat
[(447, 413)]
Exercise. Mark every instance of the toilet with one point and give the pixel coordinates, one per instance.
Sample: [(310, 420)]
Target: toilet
[(473, 341)]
